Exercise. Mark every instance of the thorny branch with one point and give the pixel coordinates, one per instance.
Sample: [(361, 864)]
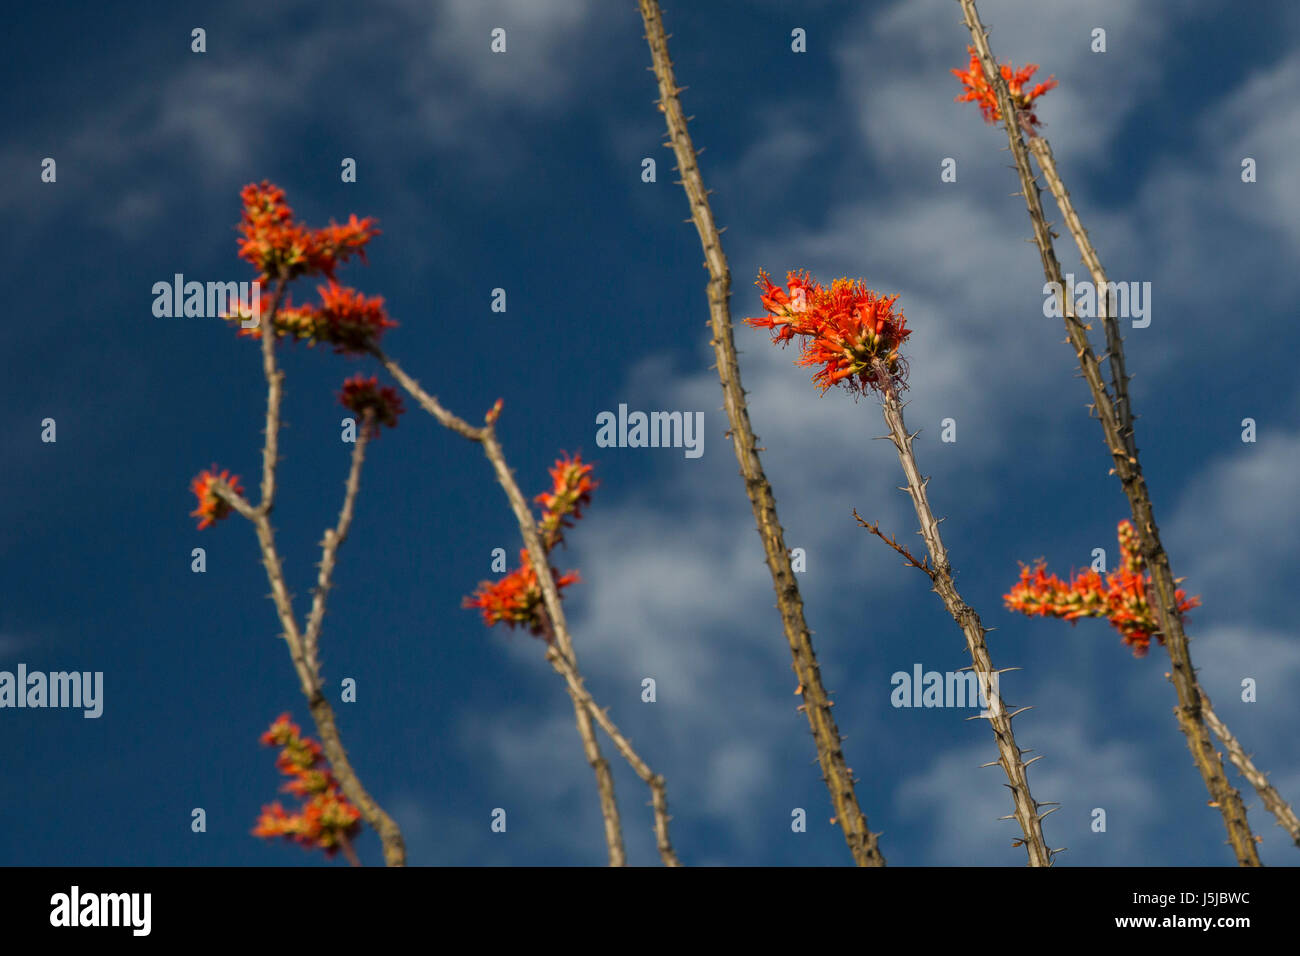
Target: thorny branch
[(562, 654), (302, 648), (1010, 756), (1127, 466), (863, 844)]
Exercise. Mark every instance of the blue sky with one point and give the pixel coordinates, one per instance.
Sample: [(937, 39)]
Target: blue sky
[(523, 171)]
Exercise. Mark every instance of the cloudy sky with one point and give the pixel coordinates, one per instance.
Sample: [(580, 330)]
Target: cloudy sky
[(523, 171)]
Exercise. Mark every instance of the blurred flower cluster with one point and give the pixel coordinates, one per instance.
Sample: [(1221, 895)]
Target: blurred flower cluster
[(1121, 598), (326, 820), (516, 599)]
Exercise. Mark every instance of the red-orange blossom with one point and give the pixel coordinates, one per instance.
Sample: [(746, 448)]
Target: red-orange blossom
[(516, 599), (1121, 598), (848, 330), (976, 89)]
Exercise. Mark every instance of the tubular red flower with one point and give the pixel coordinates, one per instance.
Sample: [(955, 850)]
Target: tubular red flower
[(360, 394), (344, 318), (212, 508), (283, 249), (977, 90), (516, 599), (571, 489), (348, 320), (848, 330), (1122, 599), (326, 819)]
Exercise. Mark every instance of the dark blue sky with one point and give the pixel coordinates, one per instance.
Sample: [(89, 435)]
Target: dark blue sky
[(522, 171)]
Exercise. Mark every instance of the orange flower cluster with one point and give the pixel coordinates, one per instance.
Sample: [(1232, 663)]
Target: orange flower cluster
[(345, 318), (326, 818), (516, 599), (848, 330), (977, 90), (360, 394), (571, 489), (1121, 598), (283, 249), (212, 508)]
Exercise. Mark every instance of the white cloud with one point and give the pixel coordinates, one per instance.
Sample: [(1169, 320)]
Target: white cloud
[(224, 114), (1233, 531)]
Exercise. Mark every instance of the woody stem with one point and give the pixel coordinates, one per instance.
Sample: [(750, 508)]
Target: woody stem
[(1129, 469), (486, 437), (863, 844), (1009, 753)]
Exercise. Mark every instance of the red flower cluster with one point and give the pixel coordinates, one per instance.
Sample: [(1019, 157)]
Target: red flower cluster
[(848, 330), (977, 90), (326, 818), (1121, 599), (360, 394), (212, 508), (345, 318), (516, 599), (284, 249), (571, 489)]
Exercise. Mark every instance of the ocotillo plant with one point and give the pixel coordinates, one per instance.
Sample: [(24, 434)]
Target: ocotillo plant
[(353, 324), (283, 250), (837, 774), (560, 652), (990, 87), (853, 337), (518, 600), (1124, 598)]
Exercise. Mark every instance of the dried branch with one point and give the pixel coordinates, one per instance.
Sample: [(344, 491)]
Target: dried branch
[(817, 703), (911, 562), (1127, 466)]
